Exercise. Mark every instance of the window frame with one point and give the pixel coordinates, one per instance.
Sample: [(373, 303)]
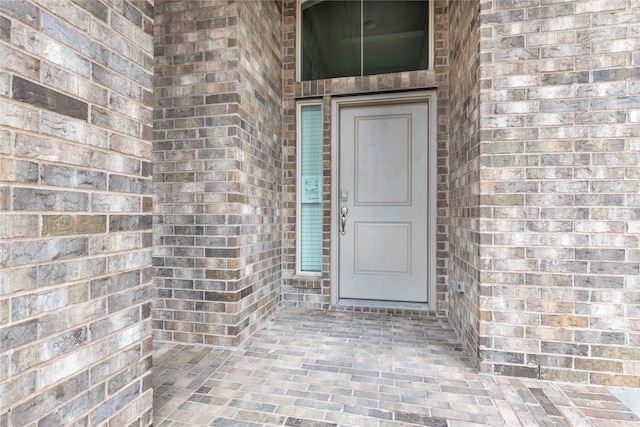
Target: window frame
[(298, 56), (299, 271)]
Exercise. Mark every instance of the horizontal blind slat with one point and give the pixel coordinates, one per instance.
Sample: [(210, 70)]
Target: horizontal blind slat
[(310, 163)]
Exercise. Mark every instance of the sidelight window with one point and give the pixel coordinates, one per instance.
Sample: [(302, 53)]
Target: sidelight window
[(309, 197)]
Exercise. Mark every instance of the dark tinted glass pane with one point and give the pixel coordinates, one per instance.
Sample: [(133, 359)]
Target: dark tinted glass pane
[(395, 36), (331, 41)]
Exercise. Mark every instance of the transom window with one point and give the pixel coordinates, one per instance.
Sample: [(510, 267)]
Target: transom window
[(342, 38)]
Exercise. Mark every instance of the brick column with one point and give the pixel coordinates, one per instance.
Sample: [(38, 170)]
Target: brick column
[(75, 212), (218, 174)]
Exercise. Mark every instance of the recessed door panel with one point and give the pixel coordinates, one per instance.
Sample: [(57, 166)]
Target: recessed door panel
[(385, 182), (370, 237)]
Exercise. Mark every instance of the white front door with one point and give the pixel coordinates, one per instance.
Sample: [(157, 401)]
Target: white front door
[(383, 202)]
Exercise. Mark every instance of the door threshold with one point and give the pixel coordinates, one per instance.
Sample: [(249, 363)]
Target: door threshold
[(417, 306)]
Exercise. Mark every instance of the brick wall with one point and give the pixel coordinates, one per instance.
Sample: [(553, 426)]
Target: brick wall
[(218, 168), (315, 292), (75, 212), (464, 161), (559, 182)]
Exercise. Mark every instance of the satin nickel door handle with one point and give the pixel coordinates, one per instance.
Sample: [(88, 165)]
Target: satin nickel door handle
[(343, 220)]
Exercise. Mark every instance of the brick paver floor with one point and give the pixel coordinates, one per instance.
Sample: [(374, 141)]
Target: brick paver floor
[(355, 368)]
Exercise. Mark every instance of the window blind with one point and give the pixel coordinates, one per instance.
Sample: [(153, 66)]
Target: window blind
[(310, 188)]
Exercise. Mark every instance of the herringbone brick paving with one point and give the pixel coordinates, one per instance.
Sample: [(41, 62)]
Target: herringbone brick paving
[(356, 368)]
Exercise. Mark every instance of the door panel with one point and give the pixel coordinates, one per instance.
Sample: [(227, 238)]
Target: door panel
[(385, 182), (384, 171), (370, 237)]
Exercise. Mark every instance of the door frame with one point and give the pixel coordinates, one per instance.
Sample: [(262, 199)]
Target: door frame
[(385, 99)]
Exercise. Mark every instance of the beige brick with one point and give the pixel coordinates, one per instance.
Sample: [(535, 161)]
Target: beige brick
[(549, 333), (564, 375), (598, 365), (565, 321), (15, 226), (616, 380), (57, 225), (619, 353)]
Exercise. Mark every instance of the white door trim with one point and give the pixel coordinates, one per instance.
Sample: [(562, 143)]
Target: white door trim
[(395, 98)]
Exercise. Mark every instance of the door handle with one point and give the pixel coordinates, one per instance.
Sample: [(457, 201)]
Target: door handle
[(343, 220)]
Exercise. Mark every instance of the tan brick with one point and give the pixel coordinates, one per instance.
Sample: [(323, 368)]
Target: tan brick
[(549, 333), (57, 225), (564, 375), (565, 321), (616, 380), (599, 365), (619, 353)]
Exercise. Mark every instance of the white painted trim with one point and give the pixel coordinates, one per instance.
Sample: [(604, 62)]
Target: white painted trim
[(396, 98), (299, 106)]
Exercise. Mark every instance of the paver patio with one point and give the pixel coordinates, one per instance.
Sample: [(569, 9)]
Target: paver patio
[(359, 368)]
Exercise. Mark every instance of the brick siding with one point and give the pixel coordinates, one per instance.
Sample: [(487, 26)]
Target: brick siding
[(218, 169), (464, 163), (559, 185), (75, 213)]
